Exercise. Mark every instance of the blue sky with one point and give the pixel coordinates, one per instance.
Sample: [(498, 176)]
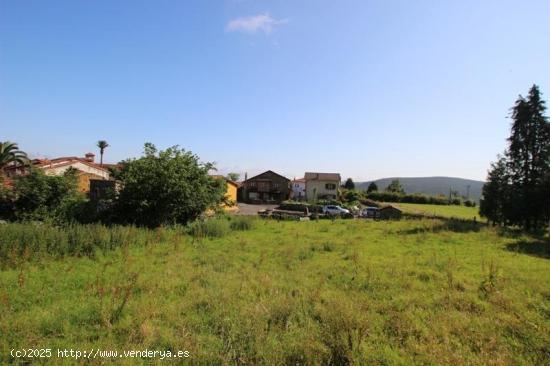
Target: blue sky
[(369, 89)]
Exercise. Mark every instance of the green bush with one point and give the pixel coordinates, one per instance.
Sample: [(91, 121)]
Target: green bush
[(300, 206), (37, 196), (352, 195), (412, 198)]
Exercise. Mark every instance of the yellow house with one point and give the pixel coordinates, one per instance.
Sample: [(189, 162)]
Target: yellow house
[(230, 194)]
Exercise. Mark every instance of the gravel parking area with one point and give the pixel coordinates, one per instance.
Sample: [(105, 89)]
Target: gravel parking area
[(247, 209)]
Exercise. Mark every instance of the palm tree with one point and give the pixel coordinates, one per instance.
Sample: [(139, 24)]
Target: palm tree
[(102, 144), (11, 155)]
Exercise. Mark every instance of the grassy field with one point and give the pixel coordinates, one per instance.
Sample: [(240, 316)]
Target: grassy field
[(284, 293), (459, 212)]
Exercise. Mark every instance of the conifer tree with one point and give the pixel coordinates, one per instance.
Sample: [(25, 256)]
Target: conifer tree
[(518, 184)]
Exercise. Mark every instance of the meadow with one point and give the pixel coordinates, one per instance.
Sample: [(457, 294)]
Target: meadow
[(444, 211), (264, 292)]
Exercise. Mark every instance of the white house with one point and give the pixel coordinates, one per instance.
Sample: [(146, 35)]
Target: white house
[(298, 189), (322, 185)]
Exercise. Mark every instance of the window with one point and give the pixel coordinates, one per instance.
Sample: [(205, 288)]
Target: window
[(276, 185), (330, 186)]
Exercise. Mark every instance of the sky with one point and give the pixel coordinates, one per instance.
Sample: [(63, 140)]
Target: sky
[(369, 89)]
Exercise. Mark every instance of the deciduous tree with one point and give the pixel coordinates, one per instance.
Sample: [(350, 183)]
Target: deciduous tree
[(233, 176), (395, 187), (166, 187)]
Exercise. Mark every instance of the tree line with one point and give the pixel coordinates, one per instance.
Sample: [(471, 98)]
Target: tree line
[(517, 191), (159, 188), (395, 192)]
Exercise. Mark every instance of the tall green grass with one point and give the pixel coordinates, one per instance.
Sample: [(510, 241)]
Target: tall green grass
[(210, 228), (218, 227), (20, 242), (340, 292), (242, 223)]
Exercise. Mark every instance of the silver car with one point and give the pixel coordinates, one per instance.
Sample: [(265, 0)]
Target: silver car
[(335, 210)]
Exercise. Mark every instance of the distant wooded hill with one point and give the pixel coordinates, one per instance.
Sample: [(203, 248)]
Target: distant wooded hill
[(431, 185)]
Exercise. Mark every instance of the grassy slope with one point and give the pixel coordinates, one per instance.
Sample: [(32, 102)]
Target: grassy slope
[(313, 292), (460, 212)]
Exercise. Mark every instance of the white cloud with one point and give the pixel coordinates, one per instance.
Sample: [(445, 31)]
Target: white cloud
[(253, 24)]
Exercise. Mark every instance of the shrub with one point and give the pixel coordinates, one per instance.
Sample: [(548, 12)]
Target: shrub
[(412, 198), (300, 206), (37, 196), (351, 195), (6, 202)]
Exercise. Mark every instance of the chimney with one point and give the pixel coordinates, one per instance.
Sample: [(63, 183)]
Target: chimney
[(90, 157)]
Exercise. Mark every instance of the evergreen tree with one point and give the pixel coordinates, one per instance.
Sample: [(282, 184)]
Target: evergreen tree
[(349, 184), (495, 192), (518, 185), (372, 187), (529, 160)]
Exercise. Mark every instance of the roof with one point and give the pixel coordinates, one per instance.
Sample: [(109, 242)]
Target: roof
[(322, 176), (268, 171), (301, 180), (63, 161), (388, 207)]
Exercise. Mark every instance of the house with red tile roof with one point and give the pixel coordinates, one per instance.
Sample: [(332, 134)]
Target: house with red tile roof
[(85, 166)]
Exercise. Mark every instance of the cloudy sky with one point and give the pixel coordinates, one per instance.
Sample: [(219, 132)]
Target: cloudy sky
[(366, 88)]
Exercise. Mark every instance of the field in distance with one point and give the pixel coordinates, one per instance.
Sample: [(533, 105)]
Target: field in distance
[(448, 211), (319, 292)]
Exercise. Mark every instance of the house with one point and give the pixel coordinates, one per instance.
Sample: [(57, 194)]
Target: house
[(390, 213), (322, 185), (231, 192), (298, 189), (268, 187), (85, 166)]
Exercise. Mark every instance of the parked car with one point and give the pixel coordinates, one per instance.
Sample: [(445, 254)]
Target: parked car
[(370, 213), (335, 210)]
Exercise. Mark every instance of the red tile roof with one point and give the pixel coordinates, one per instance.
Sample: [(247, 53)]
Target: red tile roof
[(63, 161), (322, 176)]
